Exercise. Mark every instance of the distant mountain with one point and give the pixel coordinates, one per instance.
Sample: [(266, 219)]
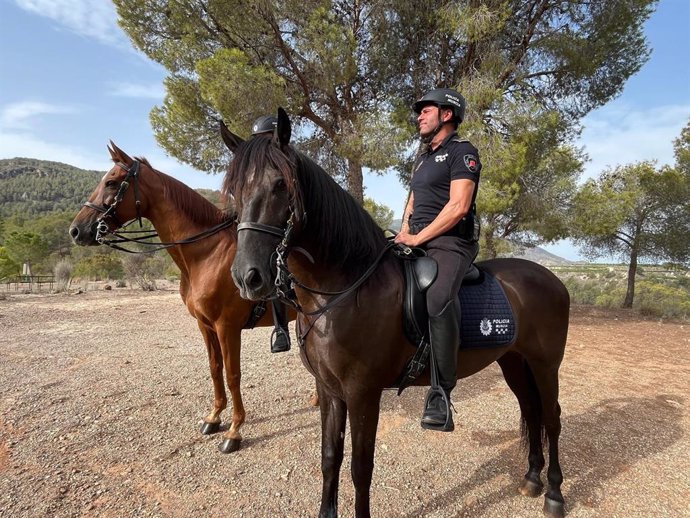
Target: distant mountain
[(33, 187), (539, 255)]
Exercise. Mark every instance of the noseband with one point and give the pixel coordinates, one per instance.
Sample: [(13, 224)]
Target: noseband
[(283, 280), (110, 210)]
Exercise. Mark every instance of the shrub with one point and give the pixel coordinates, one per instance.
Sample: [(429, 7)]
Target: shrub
[(143, 270), (172, 272), (660, 300), (63, 273), (100, 267)]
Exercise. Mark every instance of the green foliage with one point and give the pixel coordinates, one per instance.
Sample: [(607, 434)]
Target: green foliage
[(100, 266), (26, 247), (172, 272), (660, 300), (350, 70), (662, 292), (531, 177), (31, 188), (638, 210), (8, 268), (382, 214)]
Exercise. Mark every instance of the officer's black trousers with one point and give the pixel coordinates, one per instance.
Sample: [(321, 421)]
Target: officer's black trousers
[(454, 256)]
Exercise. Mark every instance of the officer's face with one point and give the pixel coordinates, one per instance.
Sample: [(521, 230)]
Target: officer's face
[(428, 119)]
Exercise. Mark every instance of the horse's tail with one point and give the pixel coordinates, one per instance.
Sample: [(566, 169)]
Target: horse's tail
[(536, 405)]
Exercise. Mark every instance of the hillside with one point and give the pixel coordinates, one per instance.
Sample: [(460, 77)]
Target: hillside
[(33, 187)]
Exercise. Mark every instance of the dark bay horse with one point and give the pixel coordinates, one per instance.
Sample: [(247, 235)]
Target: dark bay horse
[(355, 346), (178, 212)]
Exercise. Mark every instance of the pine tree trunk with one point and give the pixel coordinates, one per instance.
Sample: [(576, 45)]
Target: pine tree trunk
[(490, 251), (632, 270), (355, 180)]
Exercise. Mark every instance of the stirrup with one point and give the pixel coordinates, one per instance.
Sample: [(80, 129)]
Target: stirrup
[(448, 425), (280, 340)]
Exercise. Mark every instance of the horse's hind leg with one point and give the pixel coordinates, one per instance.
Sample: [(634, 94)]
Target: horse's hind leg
[(546, 378), (211, 422), (333, 416), (522, 384)]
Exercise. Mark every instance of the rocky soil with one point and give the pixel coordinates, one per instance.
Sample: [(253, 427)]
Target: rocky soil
[(102, 394)]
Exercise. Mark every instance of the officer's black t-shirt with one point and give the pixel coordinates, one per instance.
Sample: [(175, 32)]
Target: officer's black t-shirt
[(434, 170)]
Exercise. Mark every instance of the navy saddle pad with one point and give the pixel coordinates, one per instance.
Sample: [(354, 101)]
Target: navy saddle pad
[(487, 319)]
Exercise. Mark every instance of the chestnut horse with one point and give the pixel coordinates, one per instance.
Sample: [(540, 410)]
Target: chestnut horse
[(178, 212), (355, 346)]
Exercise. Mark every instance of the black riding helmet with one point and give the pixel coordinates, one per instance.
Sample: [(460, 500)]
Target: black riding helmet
[(264, 124), (443, 98)]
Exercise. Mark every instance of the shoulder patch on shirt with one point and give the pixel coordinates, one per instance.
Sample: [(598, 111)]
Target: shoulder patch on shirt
[(471, 162)]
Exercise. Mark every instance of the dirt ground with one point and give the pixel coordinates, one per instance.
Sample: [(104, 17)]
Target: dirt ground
[(102, 394)]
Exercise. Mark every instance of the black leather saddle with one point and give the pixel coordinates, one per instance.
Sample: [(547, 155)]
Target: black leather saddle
[(420, 273)]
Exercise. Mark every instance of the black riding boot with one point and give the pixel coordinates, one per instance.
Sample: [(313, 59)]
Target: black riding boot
[(444, 333), (280, 339)]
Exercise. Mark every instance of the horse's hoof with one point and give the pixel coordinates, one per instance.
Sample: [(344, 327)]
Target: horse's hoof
[(553, 508), (314, 400), (209, 428), (229, 445), (531, 488)]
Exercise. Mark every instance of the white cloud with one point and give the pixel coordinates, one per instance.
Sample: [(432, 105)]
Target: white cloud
[(151, 91), (617, 134), (26, 145), (17, 115), (92, 18)]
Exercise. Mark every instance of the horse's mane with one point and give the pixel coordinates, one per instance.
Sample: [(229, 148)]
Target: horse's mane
[(192, 204), (345, 235)]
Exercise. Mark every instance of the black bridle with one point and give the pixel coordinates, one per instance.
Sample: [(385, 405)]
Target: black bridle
[(109, 211), (285, 281)]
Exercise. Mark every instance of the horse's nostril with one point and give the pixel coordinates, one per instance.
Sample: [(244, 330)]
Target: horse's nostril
[(74, 232), (252, 279)]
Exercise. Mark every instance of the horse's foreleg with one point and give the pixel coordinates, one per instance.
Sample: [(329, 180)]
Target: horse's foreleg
[(333, 416), (364, 418), (211, 422), (546, 377), (521, 383), (231, 345)]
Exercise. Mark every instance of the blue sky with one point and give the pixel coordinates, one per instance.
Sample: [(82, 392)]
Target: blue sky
[(70, 81)]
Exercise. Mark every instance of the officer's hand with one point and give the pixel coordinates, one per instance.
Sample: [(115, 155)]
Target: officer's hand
[(405, 238)]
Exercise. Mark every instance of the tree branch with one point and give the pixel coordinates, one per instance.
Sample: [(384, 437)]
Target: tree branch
[(524, 44), (306, 110)]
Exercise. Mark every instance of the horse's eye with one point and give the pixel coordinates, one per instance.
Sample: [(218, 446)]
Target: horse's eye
[(110, 183), (279, 186)]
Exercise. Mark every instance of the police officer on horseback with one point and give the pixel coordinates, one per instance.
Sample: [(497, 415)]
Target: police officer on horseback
[(280, 340), (440, 217)]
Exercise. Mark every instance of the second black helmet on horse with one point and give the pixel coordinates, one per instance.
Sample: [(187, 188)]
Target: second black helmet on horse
[(264, 124)]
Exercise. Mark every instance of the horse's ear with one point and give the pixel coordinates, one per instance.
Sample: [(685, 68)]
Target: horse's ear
[(283, 129), (118, 155), (112, 151), (231, 140)]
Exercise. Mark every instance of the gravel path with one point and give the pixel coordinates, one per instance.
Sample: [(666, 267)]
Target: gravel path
[(102, 394)]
